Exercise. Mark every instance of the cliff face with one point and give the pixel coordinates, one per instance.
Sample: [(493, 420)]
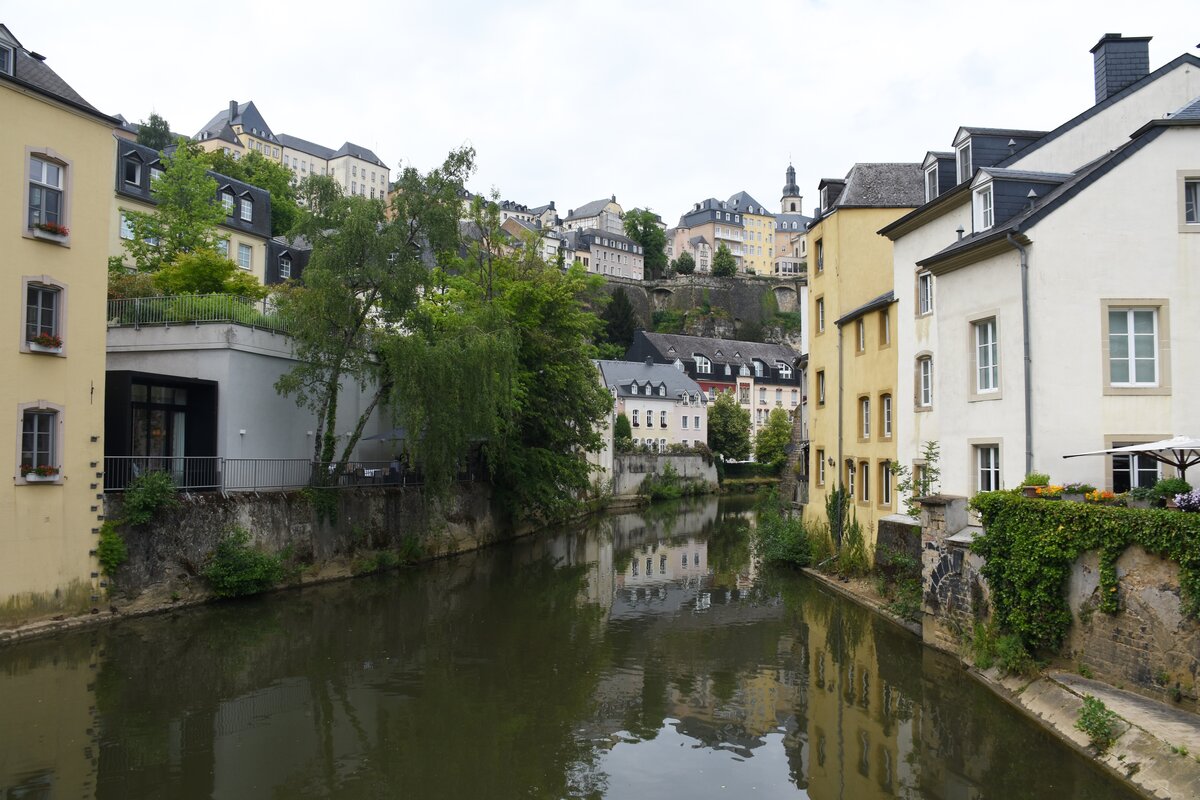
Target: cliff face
[(752, 308)]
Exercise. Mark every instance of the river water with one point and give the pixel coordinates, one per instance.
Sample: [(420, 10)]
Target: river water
[(636, 656)]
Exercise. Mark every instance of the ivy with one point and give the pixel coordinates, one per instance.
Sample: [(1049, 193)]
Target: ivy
[(1030, 544)]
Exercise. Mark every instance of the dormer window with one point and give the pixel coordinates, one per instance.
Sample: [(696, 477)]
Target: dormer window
[(285, 266), (662, 390), (758, 368), (227, 203), (633, 388), (247, 210), (155, 173), (744, 371), (931, 183), (703, 365), (963, 156), (132, 171), (6, 59), (984, 212), (785, 371)]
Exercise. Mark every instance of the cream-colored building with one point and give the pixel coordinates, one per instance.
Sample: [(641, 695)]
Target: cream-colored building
[(740, 223), (758, 224), (605, 253), (241, 129), (57, 152), (664, 406), (604, 215)]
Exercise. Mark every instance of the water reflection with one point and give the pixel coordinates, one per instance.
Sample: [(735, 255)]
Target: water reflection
[(642, 656)]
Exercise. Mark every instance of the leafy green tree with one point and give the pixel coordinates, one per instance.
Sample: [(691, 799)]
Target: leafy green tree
[(186, 217), (257, 170), (642, 226), (728, 428), (724, 264), (155, 133), (622, 433), (684, 264), (772, 438), (206, 272), (620, 320)]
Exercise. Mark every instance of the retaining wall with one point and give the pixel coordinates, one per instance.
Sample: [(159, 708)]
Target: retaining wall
[(631, 469)]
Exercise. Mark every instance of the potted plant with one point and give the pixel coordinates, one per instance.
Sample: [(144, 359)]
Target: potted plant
[(1034, 480), (1076, 492), (42, 473), (50, 230), (1051, 492), (1167, 488), (1100, 497), (1141, 497), (46, 343), (1188, 501)]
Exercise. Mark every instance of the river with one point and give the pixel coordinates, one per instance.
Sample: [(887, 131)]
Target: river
[(635, 656)]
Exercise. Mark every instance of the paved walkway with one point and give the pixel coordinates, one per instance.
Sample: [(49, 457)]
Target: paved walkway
[(1172, 725)]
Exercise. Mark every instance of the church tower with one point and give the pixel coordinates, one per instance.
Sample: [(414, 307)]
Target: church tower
[(791, 202)]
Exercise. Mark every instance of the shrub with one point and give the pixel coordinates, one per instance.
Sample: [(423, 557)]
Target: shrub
[(1167, 488), (1078, 488), (781, 539), (378, 561), (1098, 722), (1036, 479), (236, 568), (148, 494), (852, 555), (111, 550)]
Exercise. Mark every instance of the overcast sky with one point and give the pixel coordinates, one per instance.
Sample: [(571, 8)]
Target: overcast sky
[(660, 102)]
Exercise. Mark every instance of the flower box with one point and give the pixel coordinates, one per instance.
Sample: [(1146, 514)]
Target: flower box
[(49, 236), (33, 477), (1030, 491), (1137, 503), (1073, 497), (34, 347)]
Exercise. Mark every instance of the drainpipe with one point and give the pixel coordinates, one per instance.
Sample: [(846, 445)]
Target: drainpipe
[(1028, 361), (841, 411)]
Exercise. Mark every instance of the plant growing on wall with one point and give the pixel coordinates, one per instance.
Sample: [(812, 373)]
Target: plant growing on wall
[(921, 484), (236, 568), (111, 550), (147, 495), (1098, 722)]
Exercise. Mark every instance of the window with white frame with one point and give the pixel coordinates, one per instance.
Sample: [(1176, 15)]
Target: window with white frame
[(696, 422), (820, 387), (925, 381), (662, 419), (860, 329), (39, 439), (820, 465), (285, 266), (885, 402), (820, 255), (758, 368), (984, 213), (820, 314), (245, 255), (987, 463), (6, 59), (1133, 470), (126, 226), (45, 192), (885, 483), (685, 422), (649, 418), (247, 209), (924, 293), (132, 171), (864, 417), (885, 328), (762, 395), (850, 478), (1133, 346), (43, 309), (227, 203), (634, 422), (155, 174), (864, 483), (931, 183), (785, 370), (703, 365), (223, 247), (987, 356), (1191, 201), (662, 390), (963, 156)]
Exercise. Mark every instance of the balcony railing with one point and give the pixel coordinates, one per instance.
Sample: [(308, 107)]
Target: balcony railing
[(216, 474), (195, 309)]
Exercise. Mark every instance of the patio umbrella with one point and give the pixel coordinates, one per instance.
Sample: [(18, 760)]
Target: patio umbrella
[(1180, 452), (394, 435)]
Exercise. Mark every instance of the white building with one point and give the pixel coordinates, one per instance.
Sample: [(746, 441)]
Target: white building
[(664, 406)]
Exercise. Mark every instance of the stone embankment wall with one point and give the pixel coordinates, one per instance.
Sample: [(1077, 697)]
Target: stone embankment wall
[(630, 470), (1150, 646), (167, 555)]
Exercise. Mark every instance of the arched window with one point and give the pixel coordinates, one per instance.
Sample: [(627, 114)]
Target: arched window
[(785, 370)]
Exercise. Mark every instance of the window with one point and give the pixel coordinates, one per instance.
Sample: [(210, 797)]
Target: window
[(662, 390), (285, 267), (1133, 346), (42, 305), (987, 462), (820, 467), (931, 183), (45, 192), (860, 328), (223, 247), (964, 162), (864, 483), (885, 328), (649, 418), (885, 483), (662, 419), (885, 403), (132, 170), (925, 382), (779, 397), (795, 396), (635, 418), (1129, 471), (850, 478), (820, 387), (126, 226), (685, 422), (247, 209), (785, 370), (984, 216), (703, 365), (820, 255), (762, 395), (987, 357), (155, 174), (38, 438), (1191, 201), (696, 422), (864, 417), (924, 293), (6, 59), (820, 314), (244, 256), (227, 203)]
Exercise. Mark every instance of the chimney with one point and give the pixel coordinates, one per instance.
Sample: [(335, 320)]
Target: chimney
[(649, 361), (232, 110), (1119, 61)]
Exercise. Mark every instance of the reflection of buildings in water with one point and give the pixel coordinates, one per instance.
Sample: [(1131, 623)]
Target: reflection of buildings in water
[(656, 564), (53, 752)]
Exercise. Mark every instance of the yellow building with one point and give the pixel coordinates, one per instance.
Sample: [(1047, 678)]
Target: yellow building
[(57, 152), (852, 362), (758, 226)]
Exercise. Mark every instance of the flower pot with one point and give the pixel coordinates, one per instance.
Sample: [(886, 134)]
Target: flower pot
[(1029, 491), (34, 347), (1074, 497), (1137, 503), (1171, 503), (38, 233), (33, 477)]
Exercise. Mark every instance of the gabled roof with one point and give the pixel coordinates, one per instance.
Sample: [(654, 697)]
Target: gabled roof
[(591, 209), (1028, 176), (357, 151), (1012, 133), (883, 301), (31, 72), (936, 155), (620, 375), (305, 146), (885, 185), (742, 201), (670, 346), (785, 219), (247, 116)]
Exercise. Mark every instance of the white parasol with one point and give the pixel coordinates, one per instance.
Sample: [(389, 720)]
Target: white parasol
[(1180, 452)]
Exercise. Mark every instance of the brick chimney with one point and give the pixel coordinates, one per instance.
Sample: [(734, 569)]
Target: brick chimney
[(232, 110), (1120, 61)]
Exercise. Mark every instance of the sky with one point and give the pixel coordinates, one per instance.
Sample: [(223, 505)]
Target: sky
[(662, 103)]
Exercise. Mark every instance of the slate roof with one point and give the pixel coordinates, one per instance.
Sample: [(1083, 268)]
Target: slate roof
[(732, 351), (33, 73), (622, 374), (1027, 175), (358, 151), (785, 219), (305, 146), (743, 201), (1190, 111), (591, 209), (1012, 133), (883, 301), (695, 240), (247, 115), (885, 185)]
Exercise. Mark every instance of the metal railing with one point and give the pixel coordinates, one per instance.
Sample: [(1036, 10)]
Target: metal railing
[(196, 309), (217, 474)]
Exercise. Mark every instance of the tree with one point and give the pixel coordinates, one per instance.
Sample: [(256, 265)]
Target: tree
[(206, 272), (257, 170), (728, 428), (773, 438), (642, 226), (622, 433), (156, 133), (724, 265), (684, 264), (620, 320), (186, 217)]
